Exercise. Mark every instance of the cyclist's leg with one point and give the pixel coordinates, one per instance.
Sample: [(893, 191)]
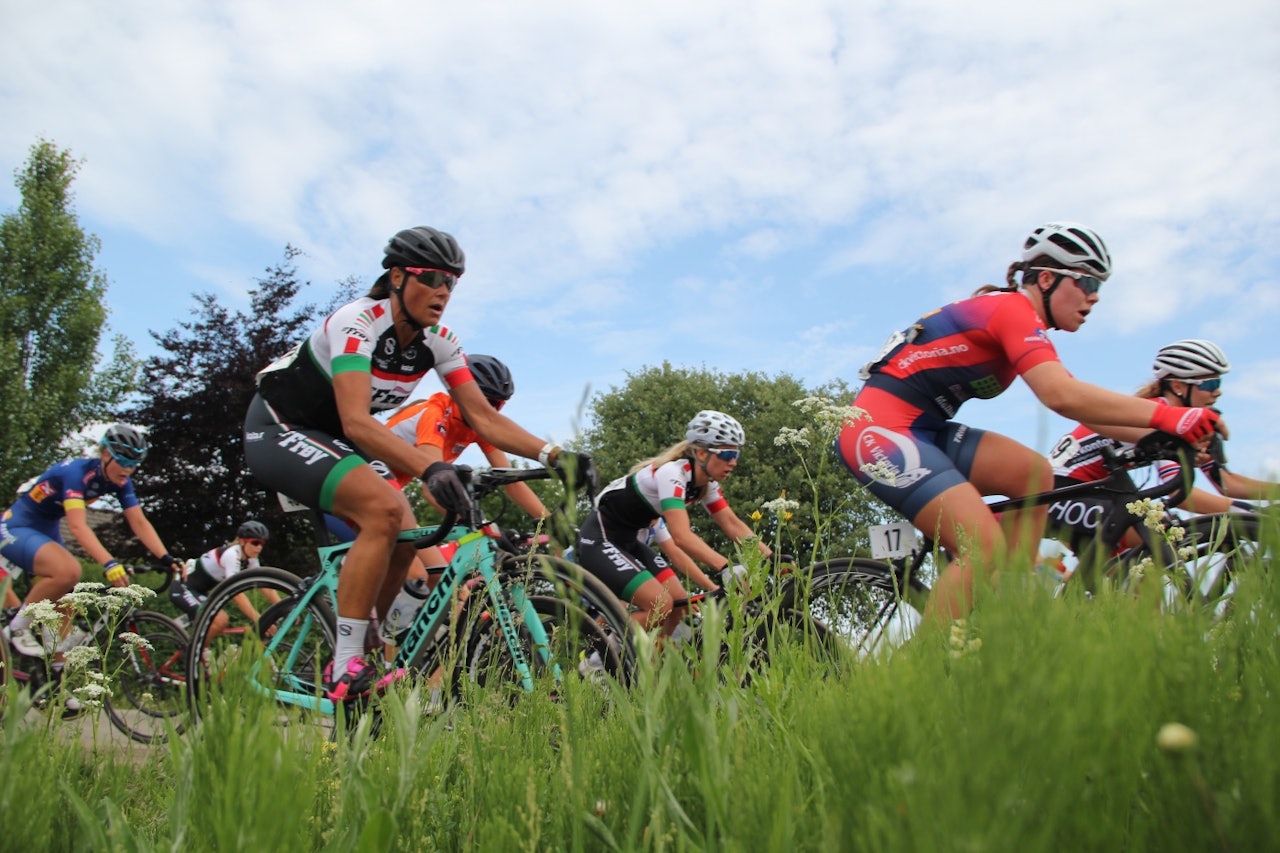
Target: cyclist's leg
[(619, 560), (52, 569), (1001, 466)]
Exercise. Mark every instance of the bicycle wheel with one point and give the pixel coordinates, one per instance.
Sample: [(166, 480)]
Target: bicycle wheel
[(864, 605), (1213, 550), (588, 631), (147, 677), (252, 637)]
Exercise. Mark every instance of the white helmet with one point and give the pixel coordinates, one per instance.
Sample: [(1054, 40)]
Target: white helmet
[(1074, 246), (714, 429), (1192, 358)]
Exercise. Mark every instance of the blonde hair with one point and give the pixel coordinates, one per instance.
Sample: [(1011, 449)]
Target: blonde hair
[(1153, 389), (680, 450)]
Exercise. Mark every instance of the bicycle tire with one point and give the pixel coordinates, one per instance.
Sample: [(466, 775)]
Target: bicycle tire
[(1223, 544), (293, 662), (148, 682), (589, 631), (866, 605)]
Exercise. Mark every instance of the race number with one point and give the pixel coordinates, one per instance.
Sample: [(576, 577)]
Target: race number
[(892, 541)]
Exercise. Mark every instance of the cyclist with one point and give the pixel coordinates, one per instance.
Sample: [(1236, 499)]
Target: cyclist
[(30, 537), (611, 541), (310, 432), (438, 427), (1187, 372), (915, 457), (200, 576)]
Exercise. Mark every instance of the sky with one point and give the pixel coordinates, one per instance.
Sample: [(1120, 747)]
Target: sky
[(733, 184)]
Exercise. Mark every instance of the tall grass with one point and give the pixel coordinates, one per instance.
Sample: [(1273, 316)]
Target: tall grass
[(1041, 737)]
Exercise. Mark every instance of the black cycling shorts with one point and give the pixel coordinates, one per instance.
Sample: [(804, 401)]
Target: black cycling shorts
[(305, 464)]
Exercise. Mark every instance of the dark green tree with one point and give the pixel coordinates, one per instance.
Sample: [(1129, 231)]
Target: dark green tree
[(793, 491), (195, 392), (51, 320)]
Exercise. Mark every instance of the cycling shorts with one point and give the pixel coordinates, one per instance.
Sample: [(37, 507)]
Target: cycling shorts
[(620, 560), (905, 456), (304, 464), (20, 544)]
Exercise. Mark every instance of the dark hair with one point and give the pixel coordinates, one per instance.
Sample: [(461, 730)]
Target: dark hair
[(381, 288)]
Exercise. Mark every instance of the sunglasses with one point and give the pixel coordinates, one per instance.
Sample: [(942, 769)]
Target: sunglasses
[(724, 454), (1084, 281), (126, 464), (1206, 385), (257, 543), (434, 278)]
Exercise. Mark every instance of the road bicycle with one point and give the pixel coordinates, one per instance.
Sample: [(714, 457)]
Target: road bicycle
[(144, 675), (496, 618), (874, 604), (758, 628)]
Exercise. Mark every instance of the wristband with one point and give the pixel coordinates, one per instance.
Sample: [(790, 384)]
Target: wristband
[(548, 453)]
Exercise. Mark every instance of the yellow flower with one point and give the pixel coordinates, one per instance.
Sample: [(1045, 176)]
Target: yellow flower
[(756, 515)]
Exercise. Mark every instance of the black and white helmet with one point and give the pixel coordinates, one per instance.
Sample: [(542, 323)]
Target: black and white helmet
[(126, 444), (424, 247), (1074, 246), (1191, 358), (715, 429)]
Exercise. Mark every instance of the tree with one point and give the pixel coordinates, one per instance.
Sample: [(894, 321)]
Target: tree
[(51, 319), (195, 483), (795, 493)]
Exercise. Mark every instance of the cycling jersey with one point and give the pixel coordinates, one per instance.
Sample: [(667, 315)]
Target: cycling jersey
[(909, 452), (33, 519), (217, 565), (612, 541), (436, 421), (293, 435), (360, 336)]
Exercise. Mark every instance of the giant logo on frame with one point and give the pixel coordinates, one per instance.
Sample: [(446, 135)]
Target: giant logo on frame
[(889, 458)]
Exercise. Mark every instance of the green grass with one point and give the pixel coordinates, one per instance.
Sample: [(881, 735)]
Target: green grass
[(1042, 738)]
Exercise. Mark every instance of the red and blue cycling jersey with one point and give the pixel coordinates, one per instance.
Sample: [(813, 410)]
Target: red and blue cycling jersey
[(908, 450), (972, 348), (73, 484)]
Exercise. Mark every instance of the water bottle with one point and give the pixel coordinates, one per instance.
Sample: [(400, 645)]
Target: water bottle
[(404, 609)]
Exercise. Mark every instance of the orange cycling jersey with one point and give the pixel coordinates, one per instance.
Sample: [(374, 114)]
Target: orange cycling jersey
[(437, 421)]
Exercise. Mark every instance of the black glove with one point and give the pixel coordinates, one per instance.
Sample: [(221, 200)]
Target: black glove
[(443, 484), (577, 471)]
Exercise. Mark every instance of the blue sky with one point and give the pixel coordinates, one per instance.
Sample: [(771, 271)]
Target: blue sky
[(769, 186)]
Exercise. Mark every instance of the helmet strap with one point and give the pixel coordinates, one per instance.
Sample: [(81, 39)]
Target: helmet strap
[(1047, 295), (398, 292)]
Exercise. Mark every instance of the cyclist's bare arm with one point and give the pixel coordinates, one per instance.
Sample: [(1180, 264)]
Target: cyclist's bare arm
[(689, 542), (685, 565), (352, 391), (78, 524), (737, 529), (1086, 403)]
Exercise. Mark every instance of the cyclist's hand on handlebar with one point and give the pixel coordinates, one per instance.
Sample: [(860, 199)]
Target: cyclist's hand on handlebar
[(577, 471), (445, 487), (1191, 424)]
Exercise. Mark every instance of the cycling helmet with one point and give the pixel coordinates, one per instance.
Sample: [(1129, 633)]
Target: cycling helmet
[(253, 530), (1072, 245), (126, 444), (713, 429), (1192, 358), (424, 247), (492, 376)]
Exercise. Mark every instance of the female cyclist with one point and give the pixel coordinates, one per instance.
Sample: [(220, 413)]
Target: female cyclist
[(200, 576), (609, 544), (1187, 373), (30, 536), (310, 431), (912, 454)]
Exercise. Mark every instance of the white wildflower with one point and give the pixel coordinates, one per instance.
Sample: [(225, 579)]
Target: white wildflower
[(778, 506), (882, 471), (135, 594), (129, 638), (43, 613), (89, 586), (80, 657), (792, 437)]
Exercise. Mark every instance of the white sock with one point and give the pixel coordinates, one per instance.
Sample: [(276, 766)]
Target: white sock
[(17, 623), (350, 643)]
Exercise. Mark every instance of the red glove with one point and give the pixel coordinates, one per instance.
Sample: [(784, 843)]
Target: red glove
[(1190, 424)]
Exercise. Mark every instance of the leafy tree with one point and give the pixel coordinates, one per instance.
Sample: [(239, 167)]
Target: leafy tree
[(196, 484), (796, 494), (51, 318)]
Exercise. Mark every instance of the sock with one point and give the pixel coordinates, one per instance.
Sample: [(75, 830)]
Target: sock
[(17, 623), (350, 643)]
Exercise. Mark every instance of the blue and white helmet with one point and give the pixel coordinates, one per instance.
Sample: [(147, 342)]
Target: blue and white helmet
[(715, 429), (126, 444)]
